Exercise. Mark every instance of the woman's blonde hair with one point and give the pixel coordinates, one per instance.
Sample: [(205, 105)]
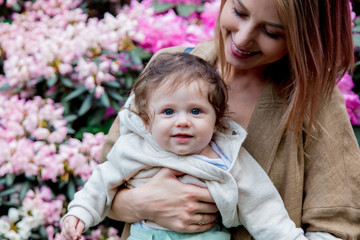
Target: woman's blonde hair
[(320, 50)]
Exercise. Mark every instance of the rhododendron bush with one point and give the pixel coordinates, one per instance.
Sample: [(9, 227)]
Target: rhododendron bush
[(66, 68)]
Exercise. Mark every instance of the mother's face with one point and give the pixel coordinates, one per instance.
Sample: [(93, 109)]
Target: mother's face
[(252, 32)]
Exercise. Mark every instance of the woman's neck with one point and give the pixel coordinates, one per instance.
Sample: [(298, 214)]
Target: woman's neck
[(245, 88)]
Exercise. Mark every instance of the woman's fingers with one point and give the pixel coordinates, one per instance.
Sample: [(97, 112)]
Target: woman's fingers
[(204, 219), (168, 202), (175, 205)]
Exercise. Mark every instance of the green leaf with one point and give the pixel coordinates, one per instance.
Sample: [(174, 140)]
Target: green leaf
[(107, 124), (357, 21), (357, 133), (8, 191), (113, 84), (70, 130), (200, 8), (129, 81), (135, 59), (356, 39), (42, 232), (16, 7), (79, 181), (186, 9), (96, 118), (356, 28), (6, 21), (40, 79), (2, 181), (104, 99), (86, 105), (70, 190), (17, 89), (51, 81), (70, 118), (141, 53), (115, 105), (67, 82), (24, 189), (5, 87), (10, 179), (115, 95), (162, 7), (9, 204), (67, 107), (77, 92)]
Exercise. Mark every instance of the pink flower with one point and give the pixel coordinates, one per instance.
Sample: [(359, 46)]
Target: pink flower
[(351, 99), (99, 90), (65, 69), (41, 133)]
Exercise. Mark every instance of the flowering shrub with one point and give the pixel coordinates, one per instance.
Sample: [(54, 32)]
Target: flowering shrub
[(66, 68), (348, 85), (64, 73)]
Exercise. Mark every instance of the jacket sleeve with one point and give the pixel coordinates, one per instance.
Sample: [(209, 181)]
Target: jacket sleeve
[(332, 174), (92, 203)]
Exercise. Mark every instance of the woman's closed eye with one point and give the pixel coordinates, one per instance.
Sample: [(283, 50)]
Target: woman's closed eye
[(271, 34), (238, 13)]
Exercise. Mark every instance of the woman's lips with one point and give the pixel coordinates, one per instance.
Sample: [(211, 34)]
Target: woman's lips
[(241, 53)]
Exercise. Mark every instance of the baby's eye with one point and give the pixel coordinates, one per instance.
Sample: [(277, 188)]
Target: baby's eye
[(168, 111), (195, 111)]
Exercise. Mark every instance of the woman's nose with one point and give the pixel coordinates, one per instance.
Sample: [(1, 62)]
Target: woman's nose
[(245, 36)]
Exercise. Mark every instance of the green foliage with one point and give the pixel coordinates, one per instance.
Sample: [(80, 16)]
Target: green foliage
[(184, 10)]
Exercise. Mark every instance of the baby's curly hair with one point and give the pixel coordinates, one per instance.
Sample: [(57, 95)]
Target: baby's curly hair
[(180, 68)]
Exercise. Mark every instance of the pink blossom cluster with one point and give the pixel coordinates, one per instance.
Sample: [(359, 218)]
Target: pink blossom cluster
[(169, 29), (102, 233), (37, 209), (353, 15), (29, 133), (9, 3), (177, 2), (82, 156), (52, 7), (33, 141), (42, 43), (352, 101)]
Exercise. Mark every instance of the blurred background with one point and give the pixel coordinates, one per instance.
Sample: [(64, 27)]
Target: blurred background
[(66, 68)]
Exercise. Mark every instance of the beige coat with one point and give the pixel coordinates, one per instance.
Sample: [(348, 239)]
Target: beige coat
[(320, 182)]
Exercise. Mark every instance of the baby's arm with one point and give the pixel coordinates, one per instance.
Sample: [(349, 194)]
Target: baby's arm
[(72, 227)]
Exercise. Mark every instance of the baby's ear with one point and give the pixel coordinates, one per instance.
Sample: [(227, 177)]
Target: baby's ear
[(146, 122)]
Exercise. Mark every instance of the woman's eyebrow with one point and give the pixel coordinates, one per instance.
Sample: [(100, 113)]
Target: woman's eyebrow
[(276, 25), (242, 5)]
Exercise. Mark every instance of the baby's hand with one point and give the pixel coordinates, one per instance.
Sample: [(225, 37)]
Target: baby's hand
[(72, 227)]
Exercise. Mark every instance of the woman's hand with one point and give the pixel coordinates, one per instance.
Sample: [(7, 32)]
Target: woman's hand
[(168, 202)]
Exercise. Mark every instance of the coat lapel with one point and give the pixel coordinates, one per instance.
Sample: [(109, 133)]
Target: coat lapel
[(263, 135)]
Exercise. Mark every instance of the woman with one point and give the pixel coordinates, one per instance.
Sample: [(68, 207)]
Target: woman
[(281, 60)]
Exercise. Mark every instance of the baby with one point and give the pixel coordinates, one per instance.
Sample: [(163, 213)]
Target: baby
[(175, 119)]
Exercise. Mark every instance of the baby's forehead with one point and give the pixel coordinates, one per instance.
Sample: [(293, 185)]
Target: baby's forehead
[(173, 83)]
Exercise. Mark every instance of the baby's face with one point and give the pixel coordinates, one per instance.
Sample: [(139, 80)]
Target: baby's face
[(182, 121)]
